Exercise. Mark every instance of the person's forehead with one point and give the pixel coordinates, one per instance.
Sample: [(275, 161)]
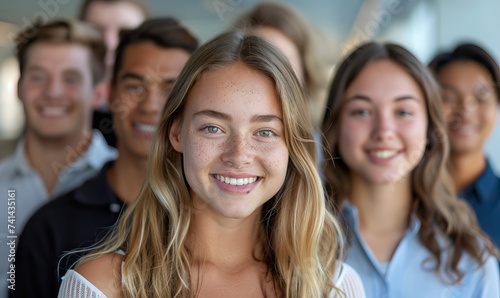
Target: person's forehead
[(58, 55), (121, 14), (155, 60)]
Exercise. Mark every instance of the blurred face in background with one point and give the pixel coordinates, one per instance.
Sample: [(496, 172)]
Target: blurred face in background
[(469, 104), (110, 18), (57, 90), (383, 124), (143, 84), (285, 45)]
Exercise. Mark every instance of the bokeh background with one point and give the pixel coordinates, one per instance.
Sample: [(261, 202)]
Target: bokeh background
[(425, 27)]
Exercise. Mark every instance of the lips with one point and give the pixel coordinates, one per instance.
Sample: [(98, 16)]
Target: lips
[(462, 128)]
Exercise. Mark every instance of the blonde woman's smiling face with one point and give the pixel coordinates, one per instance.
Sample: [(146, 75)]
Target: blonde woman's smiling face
[(231, 135)]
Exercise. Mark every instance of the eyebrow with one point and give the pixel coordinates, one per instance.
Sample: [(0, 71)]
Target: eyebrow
[(366, 98), (135, 76), (227, 117)]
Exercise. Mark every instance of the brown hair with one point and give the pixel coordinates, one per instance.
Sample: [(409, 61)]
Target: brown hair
[(163, 32), (60, 32), (292, 24), (435, 203), (139, 3)]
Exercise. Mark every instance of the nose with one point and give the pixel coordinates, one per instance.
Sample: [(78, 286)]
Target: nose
[(54, 88), (153, 100), (238, 152), (383, 128), (465, 106)]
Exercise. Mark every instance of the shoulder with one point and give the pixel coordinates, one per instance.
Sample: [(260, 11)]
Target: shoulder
[(349, 282), (7, 165), (104, 273)]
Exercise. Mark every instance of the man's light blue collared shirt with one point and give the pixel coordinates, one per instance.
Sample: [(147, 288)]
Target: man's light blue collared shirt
[(406, 274), (17, 174)]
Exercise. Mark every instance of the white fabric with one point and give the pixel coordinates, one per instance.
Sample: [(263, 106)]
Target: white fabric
[(349, 283), (76, 286)]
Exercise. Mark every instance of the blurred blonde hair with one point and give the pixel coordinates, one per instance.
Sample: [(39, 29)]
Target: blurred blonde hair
[(301, 238)]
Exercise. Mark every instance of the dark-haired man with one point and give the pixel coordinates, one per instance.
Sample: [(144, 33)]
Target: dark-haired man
[(148, 60)]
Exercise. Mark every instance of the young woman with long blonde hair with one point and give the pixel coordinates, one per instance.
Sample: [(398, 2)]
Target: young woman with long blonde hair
[(233, 204)]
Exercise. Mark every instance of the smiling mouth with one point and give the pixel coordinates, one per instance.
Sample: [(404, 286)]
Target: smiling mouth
[(235, 181), (146, 128), (384, 154), (54, 111)]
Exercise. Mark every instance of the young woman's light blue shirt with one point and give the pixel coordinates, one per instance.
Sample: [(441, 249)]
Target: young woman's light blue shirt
[(408, 275)]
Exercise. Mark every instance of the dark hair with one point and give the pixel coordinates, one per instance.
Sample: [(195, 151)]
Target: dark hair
[(435, 203), (163, 32), (469, 52), (139, 3), (61, 32)]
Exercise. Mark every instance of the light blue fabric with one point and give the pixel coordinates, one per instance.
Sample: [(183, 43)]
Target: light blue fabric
[(406, 276), (30, 193)]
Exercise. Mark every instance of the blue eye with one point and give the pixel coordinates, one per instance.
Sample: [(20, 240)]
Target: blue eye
[(37, 78), (136, 89), (404, 113), (360, 112), (212, 129), (267, 133)]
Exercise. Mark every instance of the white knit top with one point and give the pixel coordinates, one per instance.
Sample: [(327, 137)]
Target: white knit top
[(76, 286)]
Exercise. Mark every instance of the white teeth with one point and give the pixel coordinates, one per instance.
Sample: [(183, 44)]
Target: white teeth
[(53, 111), (384, 154), (145, 127), (234, 181)]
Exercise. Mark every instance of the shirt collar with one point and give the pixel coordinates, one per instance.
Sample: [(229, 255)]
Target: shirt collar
[(97, 191), (20, 164), (97, 154), (486, 186)]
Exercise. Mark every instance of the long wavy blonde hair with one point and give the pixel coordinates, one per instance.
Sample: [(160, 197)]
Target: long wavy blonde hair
[(300, 236), (435, 202)]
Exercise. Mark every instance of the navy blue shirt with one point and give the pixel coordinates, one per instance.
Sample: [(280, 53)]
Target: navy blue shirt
[(484, 197), (75, 220)]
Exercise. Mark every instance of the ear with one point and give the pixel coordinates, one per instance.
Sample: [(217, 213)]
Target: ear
[(101, 91), (175, 133), (20, 94)]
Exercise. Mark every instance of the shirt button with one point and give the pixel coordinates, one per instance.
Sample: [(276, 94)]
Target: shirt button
[(115, 207)]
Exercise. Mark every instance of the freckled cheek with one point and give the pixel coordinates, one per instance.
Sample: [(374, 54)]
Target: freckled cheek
[(274, 157)]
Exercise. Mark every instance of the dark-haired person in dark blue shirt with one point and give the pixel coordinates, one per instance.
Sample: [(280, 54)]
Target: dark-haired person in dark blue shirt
[(470, 81)]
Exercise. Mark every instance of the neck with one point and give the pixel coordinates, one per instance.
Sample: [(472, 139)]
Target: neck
[(466, 168), (384, 211), (50, 157), (127, 176), (382, 207), (226, 243)]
